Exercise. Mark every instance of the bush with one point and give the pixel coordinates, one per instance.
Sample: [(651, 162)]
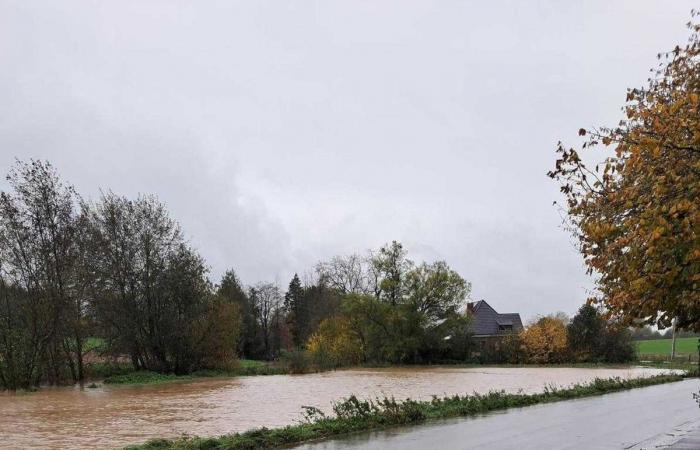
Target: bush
[(591, 338), (334, 344), (296, 361), (618, 345), (511, 350), (545, 341)]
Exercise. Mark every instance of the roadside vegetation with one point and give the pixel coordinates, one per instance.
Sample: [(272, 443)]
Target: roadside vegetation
[(355, 415)]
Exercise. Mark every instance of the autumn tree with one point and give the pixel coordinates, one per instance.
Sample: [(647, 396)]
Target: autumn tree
[(636, 215), (335, 344), (216, 333), (545, 340)]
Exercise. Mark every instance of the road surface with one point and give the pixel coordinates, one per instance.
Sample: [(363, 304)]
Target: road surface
[(644, 418)]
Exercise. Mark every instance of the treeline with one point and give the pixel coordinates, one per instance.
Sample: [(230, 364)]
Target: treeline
[(556, 339), (375, 308), (119, 271)]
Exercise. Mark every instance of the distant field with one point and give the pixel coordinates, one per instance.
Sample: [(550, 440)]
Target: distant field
[(684, 346)]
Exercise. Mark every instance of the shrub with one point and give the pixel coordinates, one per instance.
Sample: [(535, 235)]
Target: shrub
[(296, 361), (545, 341), (334, 344), (585, 334), (618, 345)]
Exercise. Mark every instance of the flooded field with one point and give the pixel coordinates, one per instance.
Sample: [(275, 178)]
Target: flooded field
[(114, 416)]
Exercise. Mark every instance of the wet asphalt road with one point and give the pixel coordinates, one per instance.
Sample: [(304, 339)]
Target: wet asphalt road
[(645, 418)]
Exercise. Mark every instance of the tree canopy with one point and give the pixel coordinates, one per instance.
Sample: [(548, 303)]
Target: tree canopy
[(636, 215)]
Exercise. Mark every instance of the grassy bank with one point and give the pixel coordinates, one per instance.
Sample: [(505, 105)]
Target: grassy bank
[(245, 367), (354, 415)]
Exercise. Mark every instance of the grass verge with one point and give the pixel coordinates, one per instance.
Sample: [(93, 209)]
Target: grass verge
[(353, 415)]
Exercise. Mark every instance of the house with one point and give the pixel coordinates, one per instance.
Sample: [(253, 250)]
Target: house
[(488, 326)]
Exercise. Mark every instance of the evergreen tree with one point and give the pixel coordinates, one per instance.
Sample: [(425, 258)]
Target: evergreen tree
[(586, 333), (231, 288), (297, 311)]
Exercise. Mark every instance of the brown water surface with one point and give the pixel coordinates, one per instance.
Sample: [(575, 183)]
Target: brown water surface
[(114, 416)]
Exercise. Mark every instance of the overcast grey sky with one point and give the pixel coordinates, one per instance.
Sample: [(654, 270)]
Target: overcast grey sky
[(284, 132)]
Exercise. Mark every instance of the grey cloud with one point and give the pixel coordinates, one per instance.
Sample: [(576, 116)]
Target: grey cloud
[(283, 133)]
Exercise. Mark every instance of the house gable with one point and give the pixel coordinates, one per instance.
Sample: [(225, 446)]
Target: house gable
[(486, 321)]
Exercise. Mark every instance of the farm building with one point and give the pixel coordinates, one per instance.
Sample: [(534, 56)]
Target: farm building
[(488, 326)]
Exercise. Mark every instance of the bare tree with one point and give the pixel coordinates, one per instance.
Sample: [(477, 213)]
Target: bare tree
[(267, 301), (351, 274)]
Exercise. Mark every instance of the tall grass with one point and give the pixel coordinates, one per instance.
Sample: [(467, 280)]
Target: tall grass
[(353, 414)]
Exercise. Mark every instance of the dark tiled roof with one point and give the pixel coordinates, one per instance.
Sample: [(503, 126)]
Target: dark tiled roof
[(513, 318), (486, 321)]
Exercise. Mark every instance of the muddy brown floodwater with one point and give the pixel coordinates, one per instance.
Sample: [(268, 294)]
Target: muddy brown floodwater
[(114, 416)]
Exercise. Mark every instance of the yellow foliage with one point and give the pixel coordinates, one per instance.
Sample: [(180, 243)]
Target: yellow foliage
[(335, 344), (545, 340), (638, 218)]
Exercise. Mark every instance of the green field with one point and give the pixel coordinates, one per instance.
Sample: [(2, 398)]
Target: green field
[(684, 346)]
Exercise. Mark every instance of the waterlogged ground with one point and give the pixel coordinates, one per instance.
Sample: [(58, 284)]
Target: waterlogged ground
[(114, 416)]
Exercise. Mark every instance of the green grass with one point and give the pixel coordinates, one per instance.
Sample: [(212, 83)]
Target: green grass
[(94, 343), (245, 367), (145, 377), (354, 415), (662, 347), (100, 370), (251, 364)]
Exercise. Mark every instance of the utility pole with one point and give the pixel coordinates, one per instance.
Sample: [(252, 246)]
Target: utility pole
[(673, 340)]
